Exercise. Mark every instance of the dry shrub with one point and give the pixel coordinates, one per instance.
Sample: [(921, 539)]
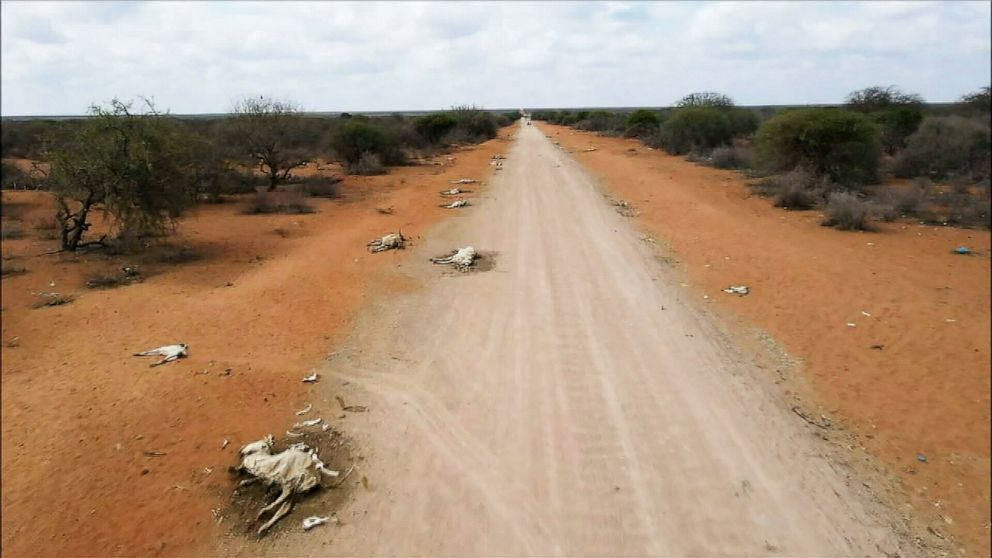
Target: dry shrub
[(799, 189), (909, 201), (847, 212), (369, 164), (736, 157), (293, 202), (946, 146)]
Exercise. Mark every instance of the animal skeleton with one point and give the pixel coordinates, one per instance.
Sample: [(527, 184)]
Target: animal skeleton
[(456, 204), (461, 258), (455, 192), (388, 242), (170, 352), (294, 470), (463, 181)]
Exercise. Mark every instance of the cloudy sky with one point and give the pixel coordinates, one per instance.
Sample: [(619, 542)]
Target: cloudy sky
[(196, 57)]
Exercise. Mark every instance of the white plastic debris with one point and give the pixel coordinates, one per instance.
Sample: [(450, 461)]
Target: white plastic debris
[(740, 290), (311, 378), (304, 410), (313, 521)]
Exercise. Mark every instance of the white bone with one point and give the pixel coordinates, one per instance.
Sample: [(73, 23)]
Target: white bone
[(313, 521), (304, 410), (311, 378), (463, 181)]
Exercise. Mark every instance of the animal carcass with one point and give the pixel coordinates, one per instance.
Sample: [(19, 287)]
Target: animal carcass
[(295, 470), (456, 204), (461, 258), (454, 192), (170, 352), (463, 181), (388, 242)]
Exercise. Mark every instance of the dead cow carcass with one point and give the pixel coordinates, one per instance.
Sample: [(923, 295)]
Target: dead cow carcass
[(388, 242), (461, 258), (295, 470), (169, 352), (456, 204), (454, 192)]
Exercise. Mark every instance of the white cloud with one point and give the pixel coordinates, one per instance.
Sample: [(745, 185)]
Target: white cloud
[(57, 58)]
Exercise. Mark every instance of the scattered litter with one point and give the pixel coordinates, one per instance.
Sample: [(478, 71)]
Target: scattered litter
[(351, 408), (387, 242), (461, 258), (463, 181), (313, 521), (455, 204), (305, 410), (963, 250), (170, 352), (225, 443), (740, 290), (311, 378), (851, 324), (307, 423), (154, 453), (921, 458)]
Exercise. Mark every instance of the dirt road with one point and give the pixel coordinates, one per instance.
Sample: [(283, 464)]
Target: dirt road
[(571, 401)]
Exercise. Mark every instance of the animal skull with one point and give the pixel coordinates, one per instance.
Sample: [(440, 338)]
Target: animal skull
[(461, 258), (388, 242)]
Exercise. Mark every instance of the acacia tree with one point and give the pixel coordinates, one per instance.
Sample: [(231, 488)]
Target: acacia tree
[(131, 167), (269, 132), (877, 98), (898, 113), (706, 99)]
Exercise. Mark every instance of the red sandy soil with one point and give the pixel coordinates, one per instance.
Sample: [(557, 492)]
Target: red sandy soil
[(926, 391), (267, 300)]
